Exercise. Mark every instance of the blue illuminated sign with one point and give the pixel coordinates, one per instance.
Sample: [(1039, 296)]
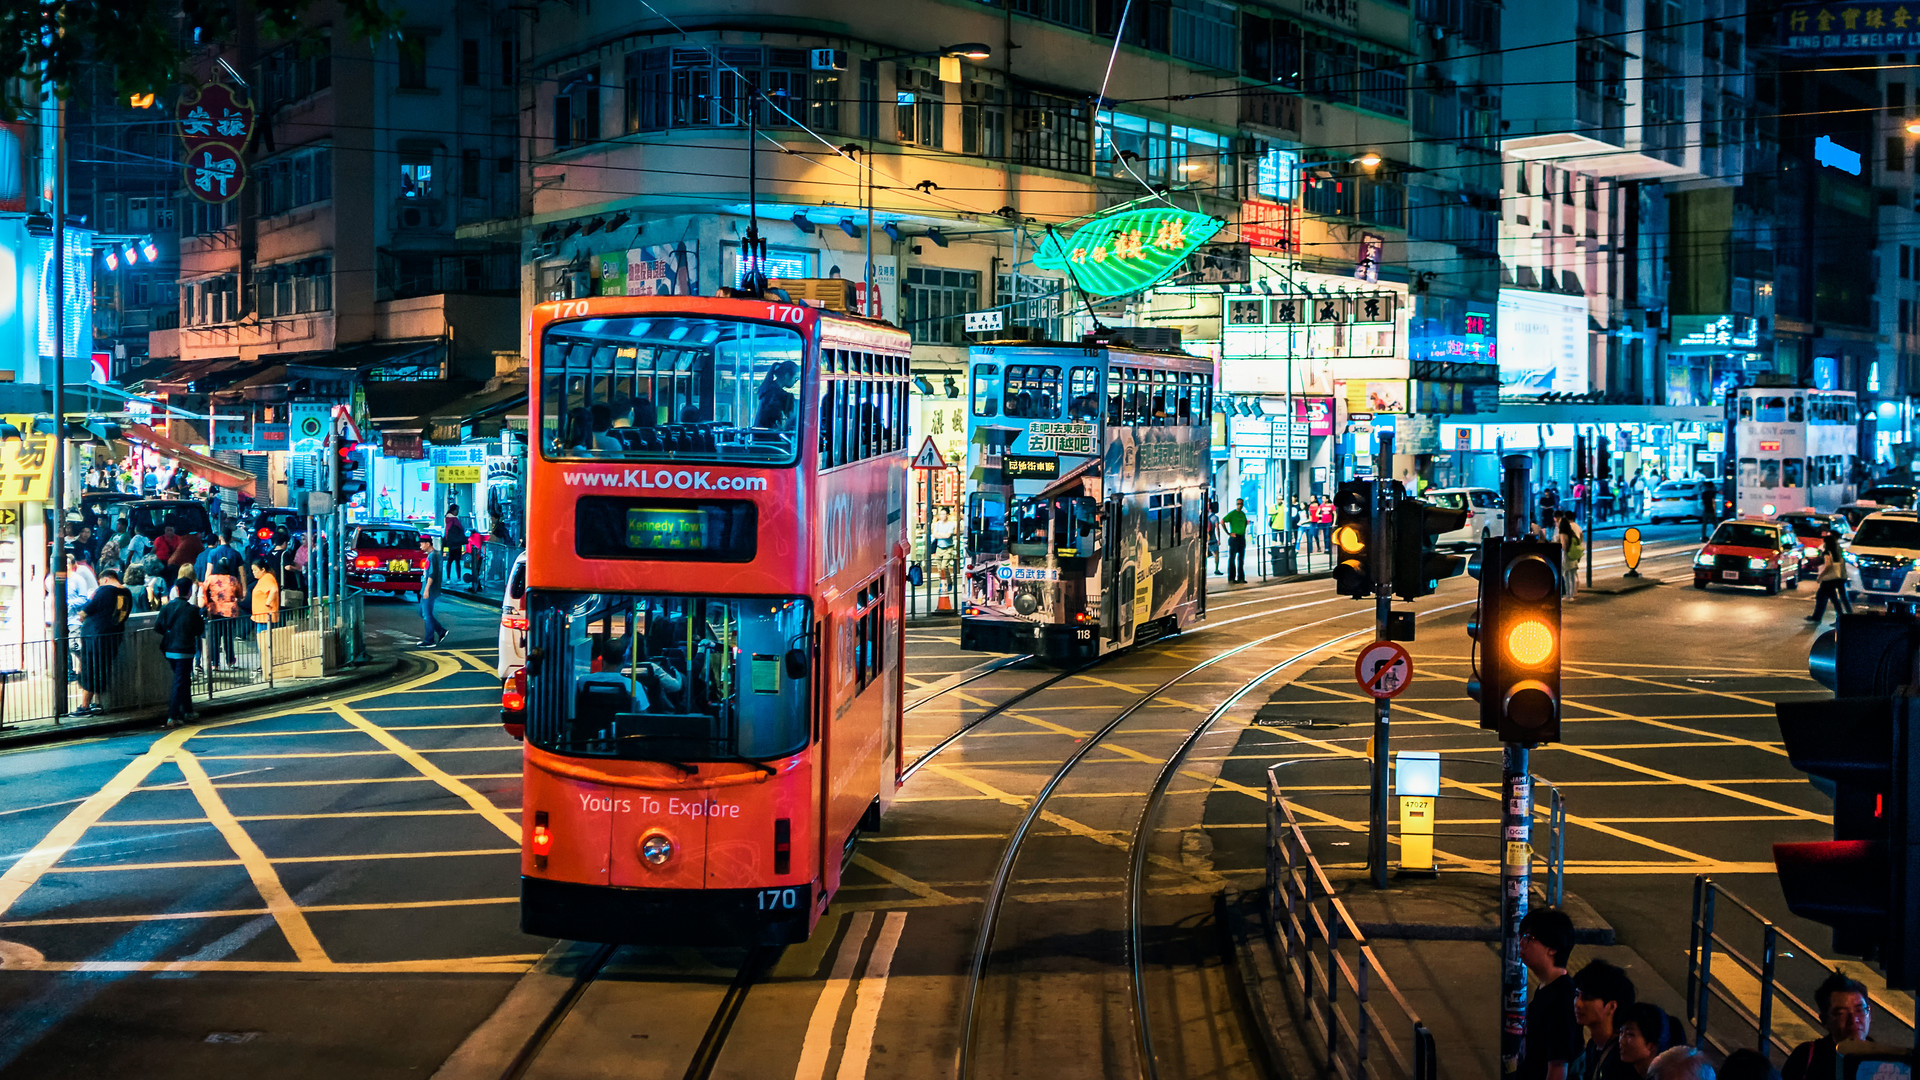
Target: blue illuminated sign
[(1833, 155)]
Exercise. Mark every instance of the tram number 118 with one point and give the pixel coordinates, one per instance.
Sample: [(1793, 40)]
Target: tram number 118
[(779, 899)]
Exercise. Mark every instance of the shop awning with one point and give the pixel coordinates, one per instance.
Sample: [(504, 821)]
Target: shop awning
[(198, 464)]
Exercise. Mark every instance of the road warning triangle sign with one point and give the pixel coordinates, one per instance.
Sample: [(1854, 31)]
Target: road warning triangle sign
[(929, 456)]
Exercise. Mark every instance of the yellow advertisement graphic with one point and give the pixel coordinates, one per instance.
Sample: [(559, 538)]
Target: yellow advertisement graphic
[(26, 470)]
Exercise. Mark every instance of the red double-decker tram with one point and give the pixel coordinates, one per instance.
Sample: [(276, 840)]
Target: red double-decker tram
[(716, 548)]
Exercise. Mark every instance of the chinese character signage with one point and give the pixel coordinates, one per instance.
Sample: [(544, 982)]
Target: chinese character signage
[(271, 437), (1127, 250), (1049, 438), (1846, 29), (215, 123), (1269, 226), (309, 426), (1367, 266), (26, 470)]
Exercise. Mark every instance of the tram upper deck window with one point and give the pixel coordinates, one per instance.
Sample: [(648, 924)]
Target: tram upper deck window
[(1083, 395), (1796, 410), (671, 388), (1745, 406), (1033, 391), (670, 678), (985, 401), (1771, 410)]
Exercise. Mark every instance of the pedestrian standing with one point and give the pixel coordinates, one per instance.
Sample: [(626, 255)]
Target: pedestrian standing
[(1553, 1038), (1323, 523), (180, 626), (220, 596), (1213, 533), (1833, 580), (453, 541), (1601, 992), (1681, 1063), (1846, 1014), (266, 609), (431, 632), (1645, 1032), (103, 625), (1236, 525), (1572, 546)]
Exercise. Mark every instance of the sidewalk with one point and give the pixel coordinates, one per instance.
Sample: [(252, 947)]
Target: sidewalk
[(1437, 941), (220, 703)]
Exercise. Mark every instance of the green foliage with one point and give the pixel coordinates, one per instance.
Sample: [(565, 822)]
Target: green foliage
[(148, 44)]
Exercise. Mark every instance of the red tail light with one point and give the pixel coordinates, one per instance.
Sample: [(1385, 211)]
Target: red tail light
[(265, 534), (366, 561), (782, 845), (514, 622), (541, 843), (420, 563)]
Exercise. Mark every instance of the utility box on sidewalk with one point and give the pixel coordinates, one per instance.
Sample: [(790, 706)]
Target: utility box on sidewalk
[(1416, 780)]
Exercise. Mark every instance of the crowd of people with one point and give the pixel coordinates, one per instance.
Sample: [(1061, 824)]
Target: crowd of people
[(115, 572), (1589, 1024)]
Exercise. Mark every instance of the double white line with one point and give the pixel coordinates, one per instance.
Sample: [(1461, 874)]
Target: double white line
[(872, 990)]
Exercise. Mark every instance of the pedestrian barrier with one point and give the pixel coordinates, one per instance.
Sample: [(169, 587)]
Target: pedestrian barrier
[(1742, 960), (127, 673), (1350, 1002)]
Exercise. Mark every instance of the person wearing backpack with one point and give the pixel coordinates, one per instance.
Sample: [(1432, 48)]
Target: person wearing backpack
[(180, 626), (102, 630), (220, 597)]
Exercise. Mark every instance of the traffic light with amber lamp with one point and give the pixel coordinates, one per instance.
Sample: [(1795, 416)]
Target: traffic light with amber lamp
[(1353, 539), (1418, 565), (1865, 882), (1517, 631)]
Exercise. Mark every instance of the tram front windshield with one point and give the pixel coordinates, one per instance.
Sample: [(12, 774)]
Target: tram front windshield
[(669, 678), (671, 388)]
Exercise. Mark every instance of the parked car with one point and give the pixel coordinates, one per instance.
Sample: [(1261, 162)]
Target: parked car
[(1486, 513), (1749, 551), (1679, 500), (513, 618), (185, 515), (269, 520), (1883, 561), (387, 558)]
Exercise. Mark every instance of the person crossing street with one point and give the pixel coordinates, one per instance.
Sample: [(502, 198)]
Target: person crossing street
[(431, 632)]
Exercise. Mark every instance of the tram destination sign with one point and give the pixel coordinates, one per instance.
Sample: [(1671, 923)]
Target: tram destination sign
[(1054, 438), (1029, 467)]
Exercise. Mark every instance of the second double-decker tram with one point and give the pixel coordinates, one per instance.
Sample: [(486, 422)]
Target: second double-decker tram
[(715, 552), (1088, 498), (1792, 449)]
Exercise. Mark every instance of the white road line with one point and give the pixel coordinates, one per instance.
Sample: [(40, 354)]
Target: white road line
[(826, 1011), (866, 1003)]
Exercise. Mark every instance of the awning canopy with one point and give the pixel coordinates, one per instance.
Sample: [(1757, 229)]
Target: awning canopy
[(198, 464)]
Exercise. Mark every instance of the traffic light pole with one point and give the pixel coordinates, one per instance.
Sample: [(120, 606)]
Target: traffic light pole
[(1383, 503), (1516, 819)]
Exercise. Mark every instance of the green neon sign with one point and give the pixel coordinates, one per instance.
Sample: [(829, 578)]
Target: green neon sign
[(1127, 250)]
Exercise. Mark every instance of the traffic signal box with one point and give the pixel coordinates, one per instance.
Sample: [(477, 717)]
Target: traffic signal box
[(1418, 565), (1863, 882), (1353, 573), (1517, 628), (347, 478)]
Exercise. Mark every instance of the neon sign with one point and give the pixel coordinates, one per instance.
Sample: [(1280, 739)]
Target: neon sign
[(1128, 250)]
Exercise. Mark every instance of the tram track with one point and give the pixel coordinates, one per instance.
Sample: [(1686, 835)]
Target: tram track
[(1004, 878)]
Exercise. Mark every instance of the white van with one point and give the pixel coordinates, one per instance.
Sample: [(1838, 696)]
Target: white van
[(1486, 513), (513, 619)]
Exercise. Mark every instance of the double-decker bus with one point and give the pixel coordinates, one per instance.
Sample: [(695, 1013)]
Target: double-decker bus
[(716, 546), (1792, 449), (1088, 509)]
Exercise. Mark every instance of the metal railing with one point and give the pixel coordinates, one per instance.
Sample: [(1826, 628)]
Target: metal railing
[(1741, 967), (127, 673), (1339, 979)]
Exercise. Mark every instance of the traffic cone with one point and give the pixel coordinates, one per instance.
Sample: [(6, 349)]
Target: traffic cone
[(946, 602)]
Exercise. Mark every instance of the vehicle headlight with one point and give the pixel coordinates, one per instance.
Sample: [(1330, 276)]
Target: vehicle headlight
[(1703, 559), (656, 849), (1756, 564), (1852, 560)]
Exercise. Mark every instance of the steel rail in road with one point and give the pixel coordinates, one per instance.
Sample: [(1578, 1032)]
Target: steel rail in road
[(1003, 873)]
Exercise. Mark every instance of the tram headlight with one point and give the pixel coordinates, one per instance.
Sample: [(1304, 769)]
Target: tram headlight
[(656, 849)]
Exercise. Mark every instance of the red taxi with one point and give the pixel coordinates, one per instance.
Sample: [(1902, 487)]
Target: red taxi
[(388, 559), (1812, 526), (1749, 552)]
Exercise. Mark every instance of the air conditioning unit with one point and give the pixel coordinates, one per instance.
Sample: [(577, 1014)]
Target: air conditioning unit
[(1616, 92), (545, 251)]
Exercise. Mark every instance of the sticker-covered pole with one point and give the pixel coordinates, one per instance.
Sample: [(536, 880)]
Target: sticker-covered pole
[(1383, 503)]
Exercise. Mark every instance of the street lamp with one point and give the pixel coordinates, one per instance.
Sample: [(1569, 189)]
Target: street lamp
[(966, 50), (1368, 160)]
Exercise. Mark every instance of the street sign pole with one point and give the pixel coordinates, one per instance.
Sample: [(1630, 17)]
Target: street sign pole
[(928, 462), (1383, 500), (1516, 818)]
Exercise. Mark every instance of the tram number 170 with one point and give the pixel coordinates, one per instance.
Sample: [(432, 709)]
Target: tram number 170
[(779, 899)]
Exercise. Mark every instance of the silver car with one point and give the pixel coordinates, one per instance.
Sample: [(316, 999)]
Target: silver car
[(1678, 500), (513, 619), (1486, 513)]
